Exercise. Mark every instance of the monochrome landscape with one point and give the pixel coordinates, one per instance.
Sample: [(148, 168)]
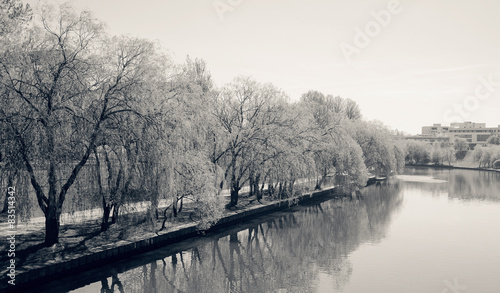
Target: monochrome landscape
[(249, 146)]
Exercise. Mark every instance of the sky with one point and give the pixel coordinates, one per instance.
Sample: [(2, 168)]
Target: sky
[(407, 63)]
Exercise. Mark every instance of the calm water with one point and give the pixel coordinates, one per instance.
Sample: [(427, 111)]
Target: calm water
[(427, 231)]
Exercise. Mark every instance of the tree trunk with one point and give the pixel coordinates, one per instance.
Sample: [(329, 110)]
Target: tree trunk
[(51, 226), (116, 210), (105, 217), (52, 215), (270, 188), (180, 207), (234, 197), (251, 184), (255, 184), (174, 208), (6, 200), (261, 192), (280, 190), (318, 184), (291, 186), (235, 188), (106, 208)]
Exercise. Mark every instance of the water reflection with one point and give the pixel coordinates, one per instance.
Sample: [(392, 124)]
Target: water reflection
[(371, 243), (285, 253), (462, 184), (115, 283)]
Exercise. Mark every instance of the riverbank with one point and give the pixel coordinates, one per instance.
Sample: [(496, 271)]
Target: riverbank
[(453, 167), (82, 247)]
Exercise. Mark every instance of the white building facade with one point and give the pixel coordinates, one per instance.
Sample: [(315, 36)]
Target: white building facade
[(473, 133)]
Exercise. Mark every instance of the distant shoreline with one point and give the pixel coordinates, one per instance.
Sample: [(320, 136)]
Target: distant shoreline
[(453, 167)]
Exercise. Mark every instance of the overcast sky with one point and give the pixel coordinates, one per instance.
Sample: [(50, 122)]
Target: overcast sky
[(418, 64)]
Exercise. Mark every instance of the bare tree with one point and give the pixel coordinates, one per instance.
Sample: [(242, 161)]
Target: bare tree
[(64, 81)]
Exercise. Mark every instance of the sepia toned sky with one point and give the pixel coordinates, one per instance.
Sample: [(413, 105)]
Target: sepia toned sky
[(407, 63)]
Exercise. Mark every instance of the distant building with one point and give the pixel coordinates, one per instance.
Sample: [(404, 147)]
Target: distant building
[(434, 130), (473, 133)]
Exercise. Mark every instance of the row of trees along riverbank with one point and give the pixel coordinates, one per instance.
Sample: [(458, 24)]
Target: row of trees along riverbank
[(456, 153), (104, 120)]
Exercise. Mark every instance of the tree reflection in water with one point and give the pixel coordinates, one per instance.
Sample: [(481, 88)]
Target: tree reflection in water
[(286, 252), (115, 282), (462, 184)]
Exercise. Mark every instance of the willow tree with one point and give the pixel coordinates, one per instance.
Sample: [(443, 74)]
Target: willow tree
[(62, 86), (287, 155), (247, 113), (175, 152), (335, 151), (128, 134), (14, 18), (378, 144)]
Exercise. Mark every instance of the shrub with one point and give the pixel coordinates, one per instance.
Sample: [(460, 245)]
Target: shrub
[(418, 152), (494, 140), (460, 155), (496, 164)]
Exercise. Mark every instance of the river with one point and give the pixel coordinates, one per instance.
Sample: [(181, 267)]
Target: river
[(428, 230)]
